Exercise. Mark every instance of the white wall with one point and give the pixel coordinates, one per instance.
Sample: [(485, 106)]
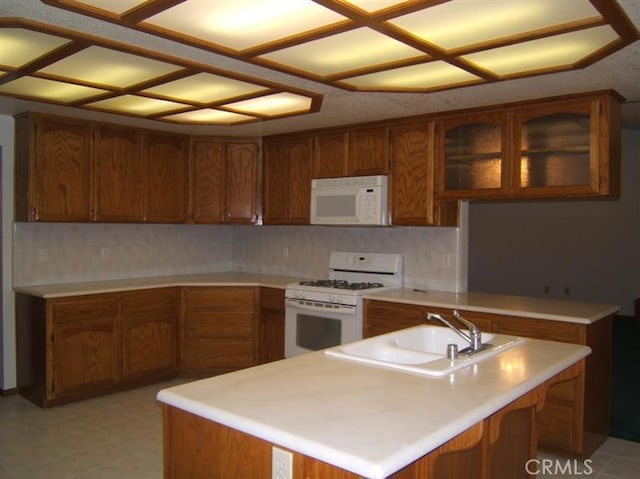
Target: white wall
[(592, 247)]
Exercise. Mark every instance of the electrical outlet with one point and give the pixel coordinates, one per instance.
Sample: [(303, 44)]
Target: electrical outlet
[(281, 464), (445, 260)]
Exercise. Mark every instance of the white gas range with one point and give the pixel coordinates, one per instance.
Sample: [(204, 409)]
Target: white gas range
[(328, 312)]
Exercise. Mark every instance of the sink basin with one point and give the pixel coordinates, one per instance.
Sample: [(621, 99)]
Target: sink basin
[(421, 349)]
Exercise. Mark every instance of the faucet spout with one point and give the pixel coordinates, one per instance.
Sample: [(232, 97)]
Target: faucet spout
[(474, 335)]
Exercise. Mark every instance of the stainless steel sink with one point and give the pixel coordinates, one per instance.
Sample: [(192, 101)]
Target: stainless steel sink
[(421, 349)]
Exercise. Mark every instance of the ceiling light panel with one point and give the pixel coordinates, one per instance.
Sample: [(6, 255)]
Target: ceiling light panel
[(137, 105), (42, 63), (210, 116), (103, 66), (19, 47), (48, 90), (273, 105), (424, 76), (241, 24), (547, 53), (460, 23), (344, 52), (204, 88)]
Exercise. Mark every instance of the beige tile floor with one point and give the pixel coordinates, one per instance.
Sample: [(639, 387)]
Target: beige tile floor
[(120, 436)]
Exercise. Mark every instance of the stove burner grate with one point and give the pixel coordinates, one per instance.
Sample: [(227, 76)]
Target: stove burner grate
[(341, 284)]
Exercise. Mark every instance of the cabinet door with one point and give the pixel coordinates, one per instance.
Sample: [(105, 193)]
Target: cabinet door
[(119, 178), (149, 339), (472, 156), (330, 155), (557, 150), (84, 350), (369, 152), (271, 330), (242, 183), (412, 174), (287, 182), (165, 178), (63, 172), (148, 345), (208, 174), (276, 181)]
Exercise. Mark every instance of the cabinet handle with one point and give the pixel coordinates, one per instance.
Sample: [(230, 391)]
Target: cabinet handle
[(35, 213)]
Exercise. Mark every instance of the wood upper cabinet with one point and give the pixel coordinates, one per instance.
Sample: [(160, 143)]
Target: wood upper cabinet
[(287, 181), (473, 155), (208, 175), (566, 149), (54, 169), (330, 155), (243, 172), (119, 175), (165, 167), (224, 181), (369, 151), (83, 348), (411, 178), (560, 148), (355, 152)]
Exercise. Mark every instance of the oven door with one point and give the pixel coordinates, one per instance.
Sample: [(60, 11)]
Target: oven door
[(312, 326)]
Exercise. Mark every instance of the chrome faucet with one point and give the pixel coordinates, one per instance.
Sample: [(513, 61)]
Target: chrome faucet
[(473, 337)]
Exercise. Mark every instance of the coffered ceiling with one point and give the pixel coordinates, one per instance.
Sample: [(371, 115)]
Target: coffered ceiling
[(257, 67)]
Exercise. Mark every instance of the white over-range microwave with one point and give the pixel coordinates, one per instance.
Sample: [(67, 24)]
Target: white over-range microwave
[(357, 200)]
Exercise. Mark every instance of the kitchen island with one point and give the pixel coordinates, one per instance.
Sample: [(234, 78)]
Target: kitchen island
[(342, 419)]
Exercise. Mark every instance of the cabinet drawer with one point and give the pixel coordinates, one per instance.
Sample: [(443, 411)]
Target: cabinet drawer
[(219, 299), (541, 329), (227, 325), (83, 308), (149, 300), (272, 298)]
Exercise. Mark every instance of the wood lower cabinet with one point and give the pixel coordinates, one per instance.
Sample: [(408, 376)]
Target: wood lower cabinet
[(575, 419), (77, 347), (271, 328), (218, 330), (83, 346), (149, 337)]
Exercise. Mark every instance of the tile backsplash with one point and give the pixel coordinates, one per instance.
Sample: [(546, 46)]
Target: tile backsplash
[(45, 253)]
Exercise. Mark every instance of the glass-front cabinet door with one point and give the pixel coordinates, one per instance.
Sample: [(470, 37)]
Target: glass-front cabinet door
[(556, 150), (472, 154)]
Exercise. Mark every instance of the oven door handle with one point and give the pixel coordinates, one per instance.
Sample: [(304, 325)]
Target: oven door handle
[(341, 308)]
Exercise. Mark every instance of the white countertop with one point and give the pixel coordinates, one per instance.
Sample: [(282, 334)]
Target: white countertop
[(368, 420), (539, 308), (117, 285)]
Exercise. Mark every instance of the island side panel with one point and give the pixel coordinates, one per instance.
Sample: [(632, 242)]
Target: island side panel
[(197, 448)]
